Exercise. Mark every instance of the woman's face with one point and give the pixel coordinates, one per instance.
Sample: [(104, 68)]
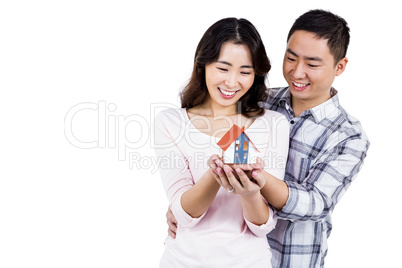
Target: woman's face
[(231, 76)]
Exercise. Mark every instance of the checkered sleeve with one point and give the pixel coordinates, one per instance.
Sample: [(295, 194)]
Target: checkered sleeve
[(327, 178)]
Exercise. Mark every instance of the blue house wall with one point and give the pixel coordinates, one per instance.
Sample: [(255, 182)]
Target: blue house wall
[(241, 153)]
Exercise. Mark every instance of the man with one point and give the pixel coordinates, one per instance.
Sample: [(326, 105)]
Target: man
[(327, 145)]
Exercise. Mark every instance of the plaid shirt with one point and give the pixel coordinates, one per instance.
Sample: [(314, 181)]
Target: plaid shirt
[(327, 149)]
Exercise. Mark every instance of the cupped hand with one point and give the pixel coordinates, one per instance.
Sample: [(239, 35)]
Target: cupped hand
[(216, 165), (241, 182)]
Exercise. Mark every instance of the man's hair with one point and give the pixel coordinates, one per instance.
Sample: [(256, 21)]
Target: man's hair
[(326, 25)]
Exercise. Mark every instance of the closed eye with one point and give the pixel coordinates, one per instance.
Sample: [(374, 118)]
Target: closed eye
[(222, 69)]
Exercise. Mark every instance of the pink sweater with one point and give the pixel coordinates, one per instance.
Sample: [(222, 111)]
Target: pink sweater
[(221, 237)]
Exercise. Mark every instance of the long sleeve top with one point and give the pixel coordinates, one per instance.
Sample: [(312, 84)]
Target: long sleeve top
[(221, 237), (327, 149)]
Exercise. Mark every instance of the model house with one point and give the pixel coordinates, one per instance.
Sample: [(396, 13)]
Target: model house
[(237, 148)]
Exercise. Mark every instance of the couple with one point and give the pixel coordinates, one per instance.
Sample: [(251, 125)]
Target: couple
[(222, 215)]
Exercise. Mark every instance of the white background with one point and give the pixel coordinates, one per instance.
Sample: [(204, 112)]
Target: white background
[(65, 206)]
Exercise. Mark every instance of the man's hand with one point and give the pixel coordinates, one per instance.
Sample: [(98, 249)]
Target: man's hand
[(172, 223)]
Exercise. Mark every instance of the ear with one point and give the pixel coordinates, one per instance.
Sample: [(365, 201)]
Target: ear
[(341, 66)]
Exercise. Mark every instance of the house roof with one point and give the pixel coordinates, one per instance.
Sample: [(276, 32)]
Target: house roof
[(230, 136)]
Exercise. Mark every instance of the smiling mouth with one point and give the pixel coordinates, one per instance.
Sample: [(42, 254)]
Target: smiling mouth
[(300, 86), (227, 93)]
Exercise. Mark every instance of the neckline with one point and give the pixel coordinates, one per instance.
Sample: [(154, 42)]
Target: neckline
[(184, 110)]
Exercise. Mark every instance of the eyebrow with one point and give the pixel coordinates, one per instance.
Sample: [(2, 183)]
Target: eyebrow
[(229, 64), (307, 58)]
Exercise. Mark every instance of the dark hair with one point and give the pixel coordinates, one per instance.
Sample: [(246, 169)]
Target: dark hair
[(328, 26), (238, 31)]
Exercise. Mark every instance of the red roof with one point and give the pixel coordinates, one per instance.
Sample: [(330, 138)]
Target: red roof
[(230, 136)]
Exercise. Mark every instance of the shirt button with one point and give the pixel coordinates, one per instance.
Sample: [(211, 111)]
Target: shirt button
[(292, 122)]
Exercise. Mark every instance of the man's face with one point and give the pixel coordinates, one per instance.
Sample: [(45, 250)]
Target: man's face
[(309, 68)]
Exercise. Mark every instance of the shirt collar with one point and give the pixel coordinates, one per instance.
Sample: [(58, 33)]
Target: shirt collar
[(327, 108), (319, 112), (285, 100)]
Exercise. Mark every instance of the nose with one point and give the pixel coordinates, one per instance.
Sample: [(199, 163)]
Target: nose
[(298, 71), (231, 80)]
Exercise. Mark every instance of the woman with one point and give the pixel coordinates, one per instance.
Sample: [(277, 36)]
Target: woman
[(220, 227)]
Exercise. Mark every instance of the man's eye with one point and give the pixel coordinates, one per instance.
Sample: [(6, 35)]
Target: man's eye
[(313, 66), (290, 59)]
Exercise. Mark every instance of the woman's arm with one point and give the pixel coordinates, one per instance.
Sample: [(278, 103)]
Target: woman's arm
[(196, 200), (188, 201), (254, 208), (275, 191)]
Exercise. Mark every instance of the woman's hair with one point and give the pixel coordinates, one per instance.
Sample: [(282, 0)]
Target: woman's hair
[(240, 32)]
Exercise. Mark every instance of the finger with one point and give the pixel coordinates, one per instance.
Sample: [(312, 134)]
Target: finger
[(212, 160), (220, 176), (233, 181), (172, 229), (219, 162), (258, 178), (171, 233), (243, 166), (244, 179), (259, 164), (170, 217), (216, 176), (172, 223), (213, 167), (226, 172), (172, 226)]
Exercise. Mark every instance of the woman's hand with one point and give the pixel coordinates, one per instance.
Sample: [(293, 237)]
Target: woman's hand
[(216, 164), (241, 183), (234, 179), (253, 171), (247, 181)]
